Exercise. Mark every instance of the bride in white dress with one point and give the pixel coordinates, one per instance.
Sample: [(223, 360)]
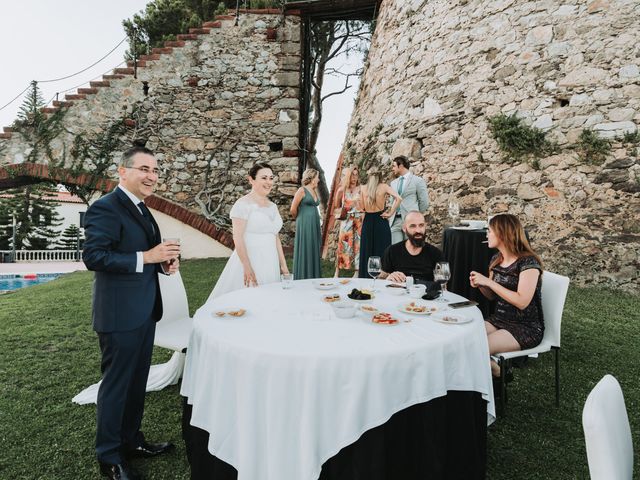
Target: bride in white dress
[(258, 257)]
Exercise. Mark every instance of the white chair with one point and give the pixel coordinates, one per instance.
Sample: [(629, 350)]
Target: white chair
[(174, 328), (607, 433), (553, 293), (172, 332)]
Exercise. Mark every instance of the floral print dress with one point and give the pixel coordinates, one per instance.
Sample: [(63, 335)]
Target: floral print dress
[(348, 252)]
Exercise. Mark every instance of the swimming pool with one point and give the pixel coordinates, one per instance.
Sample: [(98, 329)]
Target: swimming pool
[(15, 281)]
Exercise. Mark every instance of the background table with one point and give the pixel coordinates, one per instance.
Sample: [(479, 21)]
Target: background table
[(290, 392), (465, 252)]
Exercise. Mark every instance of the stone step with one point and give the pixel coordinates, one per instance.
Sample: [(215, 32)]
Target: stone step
[(112, 77), (49, 109), (217, 24), (123, 71), (141, 63), (74, 96), (146, 58), (187, 36), (174, 43), (160, 51), (7, 129), (199, 31), (99, 84), (5, 136), (87, 91), (57, 103)]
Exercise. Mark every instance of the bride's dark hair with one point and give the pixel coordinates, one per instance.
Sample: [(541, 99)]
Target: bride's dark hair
[(257, 167)]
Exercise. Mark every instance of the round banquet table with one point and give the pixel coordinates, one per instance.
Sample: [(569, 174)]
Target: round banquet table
[(289, 391), (465, 251)]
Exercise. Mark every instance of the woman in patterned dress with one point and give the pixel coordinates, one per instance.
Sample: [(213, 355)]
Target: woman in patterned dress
[(348, 197), (515, 280)]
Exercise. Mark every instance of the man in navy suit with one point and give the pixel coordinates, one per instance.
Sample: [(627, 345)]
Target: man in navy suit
[(123, 248)]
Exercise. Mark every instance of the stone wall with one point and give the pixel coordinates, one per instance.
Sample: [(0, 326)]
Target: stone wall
[(437, 70), (210, 105)]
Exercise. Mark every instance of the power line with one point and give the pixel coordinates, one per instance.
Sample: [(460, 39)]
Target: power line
[(15, 98), (85, 69), (68, 76)]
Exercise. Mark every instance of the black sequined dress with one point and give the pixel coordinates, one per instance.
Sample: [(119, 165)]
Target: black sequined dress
[(527, 325)]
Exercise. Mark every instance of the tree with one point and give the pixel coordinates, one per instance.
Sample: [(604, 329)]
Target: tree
[(162, 20), (35, 214), (6, 224), (69, 238), (36, 127), (330, 41)]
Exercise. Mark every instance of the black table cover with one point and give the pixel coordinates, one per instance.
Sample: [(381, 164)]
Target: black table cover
[(465, 252), (445, 438)]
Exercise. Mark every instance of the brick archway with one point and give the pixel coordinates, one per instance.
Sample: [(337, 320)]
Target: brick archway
[(17, 175)]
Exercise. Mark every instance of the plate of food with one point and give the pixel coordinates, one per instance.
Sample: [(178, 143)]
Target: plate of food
[(360, 295), (384, 319), (451, 318), (231, 312), (417, 308), (344, 281), (324, 284), (331, 298), (369, 310)]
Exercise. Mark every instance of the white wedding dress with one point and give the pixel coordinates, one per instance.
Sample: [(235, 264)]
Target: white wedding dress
[(263, 225)]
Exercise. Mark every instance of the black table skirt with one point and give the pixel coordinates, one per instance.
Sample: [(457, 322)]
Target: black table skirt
[(465, 252), (445, 438)]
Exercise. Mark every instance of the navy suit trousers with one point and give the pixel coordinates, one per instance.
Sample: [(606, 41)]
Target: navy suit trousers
[(126, 359)]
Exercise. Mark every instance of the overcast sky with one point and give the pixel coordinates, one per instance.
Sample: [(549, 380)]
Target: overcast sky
[(44, 39)]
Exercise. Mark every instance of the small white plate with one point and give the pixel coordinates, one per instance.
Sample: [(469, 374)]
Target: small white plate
[(429, 309), (451, 318), (324, 285), (326, 300), (369, 310), (398, 321), (229, 312)]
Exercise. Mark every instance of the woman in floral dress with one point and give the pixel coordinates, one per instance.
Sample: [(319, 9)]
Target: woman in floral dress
[(348, 196)]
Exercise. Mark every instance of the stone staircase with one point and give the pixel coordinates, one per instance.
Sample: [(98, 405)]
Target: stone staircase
[(220, 22)]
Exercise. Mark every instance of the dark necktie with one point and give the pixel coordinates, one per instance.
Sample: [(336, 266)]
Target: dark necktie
[(147, 215)]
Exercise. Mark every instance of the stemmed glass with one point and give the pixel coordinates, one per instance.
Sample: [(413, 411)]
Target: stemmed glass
[(374, 267), (441, 275)]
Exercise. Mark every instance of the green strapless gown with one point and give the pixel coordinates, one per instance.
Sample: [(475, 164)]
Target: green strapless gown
[(306, 250)]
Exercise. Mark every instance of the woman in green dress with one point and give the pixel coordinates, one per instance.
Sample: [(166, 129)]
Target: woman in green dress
[(304, 208)]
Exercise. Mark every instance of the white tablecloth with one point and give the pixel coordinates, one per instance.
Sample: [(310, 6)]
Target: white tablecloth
[(284, 388)]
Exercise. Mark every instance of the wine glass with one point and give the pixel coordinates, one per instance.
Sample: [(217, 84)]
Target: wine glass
[(374, 267), (454, 211), (441, 275)]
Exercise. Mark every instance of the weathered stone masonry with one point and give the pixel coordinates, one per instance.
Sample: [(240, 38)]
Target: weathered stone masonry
[(219, 99), (437, 70)]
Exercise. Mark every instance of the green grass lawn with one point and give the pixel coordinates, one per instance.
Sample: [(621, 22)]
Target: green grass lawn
[(49, 352)]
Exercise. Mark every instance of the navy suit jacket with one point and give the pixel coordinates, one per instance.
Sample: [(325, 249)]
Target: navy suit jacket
[(114, 231)]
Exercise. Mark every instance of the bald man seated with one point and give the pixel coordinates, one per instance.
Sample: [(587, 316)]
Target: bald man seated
[(413, 256)]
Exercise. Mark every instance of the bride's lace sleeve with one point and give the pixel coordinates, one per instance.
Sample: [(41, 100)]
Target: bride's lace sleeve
[(240, 209)]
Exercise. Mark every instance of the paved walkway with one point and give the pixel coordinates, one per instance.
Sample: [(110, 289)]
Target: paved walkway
[(45, 267)]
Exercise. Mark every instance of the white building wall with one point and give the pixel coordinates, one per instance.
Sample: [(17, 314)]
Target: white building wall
[(194, 244)]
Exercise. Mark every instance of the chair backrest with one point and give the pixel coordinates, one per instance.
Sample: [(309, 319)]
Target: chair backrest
[(554, 293), (607, 433), (174, 298)]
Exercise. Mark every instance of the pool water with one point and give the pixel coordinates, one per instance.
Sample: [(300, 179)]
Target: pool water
[(15, 281)]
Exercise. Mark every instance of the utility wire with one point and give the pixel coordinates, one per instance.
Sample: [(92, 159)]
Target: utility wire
[(68, 76), (15, 98), (85, 69)]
